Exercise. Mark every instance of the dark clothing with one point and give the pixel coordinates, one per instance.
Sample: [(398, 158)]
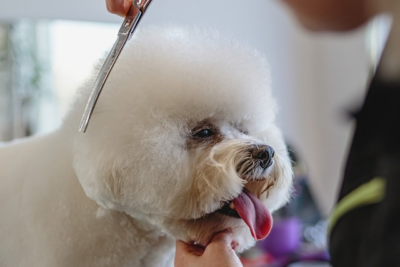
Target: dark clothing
[(369, 235)]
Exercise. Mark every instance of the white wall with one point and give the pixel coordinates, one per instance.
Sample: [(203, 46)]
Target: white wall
[(315, 77)]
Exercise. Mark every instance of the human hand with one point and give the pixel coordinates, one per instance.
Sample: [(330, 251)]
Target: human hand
[(218, 253), (119, 7)]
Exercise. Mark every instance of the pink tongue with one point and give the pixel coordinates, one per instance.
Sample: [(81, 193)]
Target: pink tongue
[(254, 214)]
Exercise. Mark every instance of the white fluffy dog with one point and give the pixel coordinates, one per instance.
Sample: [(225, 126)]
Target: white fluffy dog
[(182, 145)]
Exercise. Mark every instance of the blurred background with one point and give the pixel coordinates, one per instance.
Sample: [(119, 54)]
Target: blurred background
[(48, 48)]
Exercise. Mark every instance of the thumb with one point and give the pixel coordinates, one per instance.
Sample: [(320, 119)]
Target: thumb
[(220, 250), (182, 254), (221, 241), (224, 237)]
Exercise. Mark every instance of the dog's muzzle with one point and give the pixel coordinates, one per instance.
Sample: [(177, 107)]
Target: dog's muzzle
[(263, 155), (254, 166)]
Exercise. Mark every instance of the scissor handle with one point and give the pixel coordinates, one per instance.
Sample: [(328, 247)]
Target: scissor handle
[(142, 4), (133, 15)]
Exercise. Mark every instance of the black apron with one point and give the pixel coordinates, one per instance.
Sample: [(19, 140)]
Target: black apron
[(368, 233)]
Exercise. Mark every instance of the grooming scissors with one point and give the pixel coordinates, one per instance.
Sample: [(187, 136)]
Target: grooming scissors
[(126, 31)]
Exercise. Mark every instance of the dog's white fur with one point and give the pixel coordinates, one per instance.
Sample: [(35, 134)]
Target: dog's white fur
[(120, 194)]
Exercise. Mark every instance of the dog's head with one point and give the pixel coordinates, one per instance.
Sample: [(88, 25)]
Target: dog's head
[(183, 137)]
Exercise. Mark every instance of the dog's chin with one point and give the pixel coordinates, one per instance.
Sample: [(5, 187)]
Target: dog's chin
[(200, 231)]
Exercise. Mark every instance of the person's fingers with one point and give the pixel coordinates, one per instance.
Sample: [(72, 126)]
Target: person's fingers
[(222, 240), (186, 253), (119, 7), (218, 253), (181, 254), (196, 250), (222, 237), (189, 248), (221, 250)]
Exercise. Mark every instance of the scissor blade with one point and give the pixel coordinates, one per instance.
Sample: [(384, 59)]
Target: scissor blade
[(101, 80), (125, 32)]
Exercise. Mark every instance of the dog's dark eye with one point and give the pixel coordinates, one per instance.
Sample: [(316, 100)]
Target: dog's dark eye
[(205, 133)]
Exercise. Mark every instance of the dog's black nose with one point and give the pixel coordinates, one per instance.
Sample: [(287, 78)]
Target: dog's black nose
[(264, 154)]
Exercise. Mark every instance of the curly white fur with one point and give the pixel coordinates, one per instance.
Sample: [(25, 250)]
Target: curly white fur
[(120, 194)]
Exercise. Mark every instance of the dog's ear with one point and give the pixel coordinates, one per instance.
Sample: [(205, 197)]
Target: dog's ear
[(98, 171), (131, 170)]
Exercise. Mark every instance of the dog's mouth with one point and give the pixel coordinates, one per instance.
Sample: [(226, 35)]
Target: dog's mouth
[(252, 211)]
